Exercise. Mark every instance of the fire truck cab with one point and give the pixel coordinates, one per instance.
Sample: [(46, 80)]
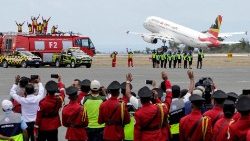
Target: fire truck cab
[(45, 46)]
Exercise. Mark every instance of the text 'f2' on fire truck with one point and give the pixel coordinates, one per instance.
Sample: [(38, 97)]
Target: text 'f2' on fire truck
[(45, 46)]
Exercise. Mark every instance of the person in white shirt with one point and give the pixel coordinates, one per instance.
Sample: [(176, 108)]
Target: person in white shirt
[(29, 103)]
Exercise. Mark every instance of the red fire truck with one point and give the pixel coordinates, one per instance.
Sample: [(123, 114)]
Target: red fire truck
[(44, 46)]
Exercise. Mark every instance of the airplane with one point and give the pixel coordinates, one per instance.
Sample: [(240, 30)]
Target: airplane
[(166, 30)]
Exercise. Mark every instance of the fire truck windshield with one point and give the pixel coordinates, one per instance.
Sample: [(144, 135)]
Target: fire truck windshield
[(84, 42)]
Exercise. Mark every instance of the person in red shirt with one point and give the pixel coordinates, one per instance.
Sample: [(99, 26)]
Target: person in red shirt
[(113, 56), (221, 126), (248, 135), (114, 114), (216, 112), (238, 130), (85, 88), (195, 127), (48, 120), (74, 117)]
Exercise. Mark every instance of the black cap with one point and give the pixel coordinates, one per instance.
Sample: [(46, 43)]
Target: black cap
[(159, 91), (71, 91), (145, 92), (219, 94), (86, 82), (123, 86), (228, 102), (195, 97), (51, 86), (115, 85), (243, 104), (232, 96)]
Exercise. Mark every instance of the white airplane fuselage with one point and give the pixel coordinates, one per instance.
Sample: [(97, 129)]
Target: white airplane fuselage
[(179, 33)]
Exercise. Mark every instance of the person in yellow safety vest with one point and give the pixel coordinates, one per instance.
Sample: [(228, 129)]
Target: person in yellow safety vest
[(179, 58), (129, 128), (200, 58), (190, 60), (45, 25), (185, 59), (53, 29), (12, 124), (154, 58), (39, 28), (162, 58), (113, 56), (130, 59), (174, 58), (166, 60), (34, 23), (170, 59), (30, 28), (19, 27), (158, 59)]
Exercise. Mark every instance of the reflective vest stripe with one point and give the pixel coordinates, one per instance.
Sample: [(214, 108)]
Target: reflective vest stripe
[(18, 137)]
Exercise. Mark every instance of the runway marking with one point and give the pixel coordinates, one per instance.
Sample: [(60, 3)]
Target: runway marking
[(243, 81)]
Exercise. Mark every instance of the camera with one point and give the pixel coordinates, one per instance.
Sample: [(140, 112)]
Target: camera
[(54, 76), (150, 82)]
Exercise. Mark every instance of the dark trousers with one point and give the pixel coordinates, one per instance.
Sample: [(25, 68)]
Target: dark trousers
[(175, 137), (162, 63), (95, 134), (165, 63), (199, 64), (48, 135), (185, 64), (30, 130), (190, 64), (170, 64), (175, 62), (154, 62)]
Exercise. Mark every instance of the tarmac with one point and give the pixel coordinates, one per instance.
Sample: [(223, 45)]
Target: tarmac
[(227, 79)]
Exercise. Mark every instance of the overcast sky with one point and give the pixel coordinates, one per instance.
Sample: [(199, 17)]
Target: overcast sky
[(106, 21)]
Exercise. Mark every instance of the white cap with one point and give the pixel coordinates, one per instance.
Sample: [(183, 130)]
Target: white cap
[(198, 92), (95, 85), (201, 88), (7, 105)]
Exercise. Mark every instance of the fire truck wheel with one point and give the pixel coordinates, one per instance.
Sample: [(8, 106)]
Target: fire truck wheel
[(72, 64), (24, 64), (5, 64), (57, 63)]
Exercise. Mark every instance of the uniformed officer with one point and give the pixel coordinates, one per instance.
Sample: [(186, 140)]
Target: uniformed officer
[(162, 58), (92, 104), (185, 59), (45, 25), (114, 114), (30, 28), (216, 113), (170, 59), (232, 96), (200, 57), (85, 88), (19, 27), (195, 127), (166, 60), (221, 126), (74, 117), (48, 120), (12, 126), (53, 29), (238, 130), (154, 58), (190, 59), (113, 56), (34, 23), (158, 58), (179, 58), (174, 58), (39, 28), (130, 59)]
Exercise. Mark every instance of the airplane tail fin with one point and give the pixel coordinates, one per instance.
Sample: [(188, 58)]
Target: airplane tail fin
[(214, 30)]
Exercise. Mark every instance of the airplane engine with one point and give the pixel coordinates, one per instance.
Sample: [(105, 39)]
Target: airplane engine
[(148, 39)]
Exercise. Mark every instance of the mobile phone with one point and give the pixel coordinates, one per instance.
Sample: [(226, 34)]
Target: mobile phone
[(54, 75), (33, 77), (150, 82), (246, 92)]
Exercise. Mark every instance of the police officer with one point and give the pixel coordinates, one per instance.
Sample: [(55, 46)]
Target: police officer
[(114, 114), (185, 59), (216, 113), (174, 58), (154, 58), (158, 57), (162, 58), (92, 104), (179, 58), (130, 59), (170, 59), (74, 117), (195, 127), (238, 130), (48, 120), (190, 60), (85, 88), (200, 57), (12, 126), (166, 59)]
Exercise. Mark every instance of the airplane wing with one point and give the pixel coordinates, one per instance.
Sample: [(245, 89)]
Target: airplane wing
[(229, 42), (160, 36), (230, 34)]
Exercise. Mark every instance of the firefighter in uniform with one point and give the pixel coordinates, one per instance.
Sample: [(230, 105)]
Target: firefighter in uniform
[(12, 126), (217, 111), (190, 59), (85, 88), (30, 28), (114, 114), (130, 59), (19, 27), (53, 29), (74, 117), (179, 58), (195, 127), (170, 59), (185, 59), (221, 126), (238, 130), (48, 120), (154, 58), (200, 57), (34, 23), (113, 56), (162, 58), (174, 58), (39, 28), (45, 25)]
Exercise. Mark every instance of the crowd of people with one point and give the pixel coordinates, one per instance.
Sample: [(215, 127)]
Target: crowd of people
[(163, 112)]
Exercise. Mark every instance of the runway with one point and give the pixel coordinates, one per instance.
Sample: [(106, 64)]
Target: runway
[(227, 79)]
